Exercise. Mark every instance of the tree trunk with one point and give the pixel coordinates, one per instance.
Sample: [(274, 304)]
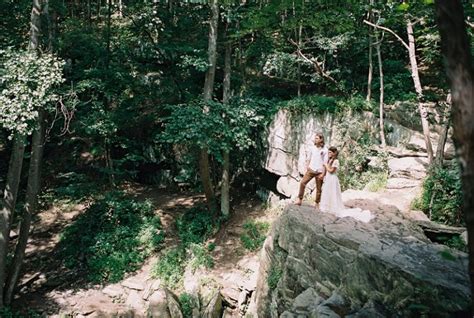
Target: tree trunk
[(204, 169), (381, 97), (457, 54), (225, 204), (370, 73), (419, 91), (35, 26), (439, 159), (34, 177), (371, 67), (9, 201)]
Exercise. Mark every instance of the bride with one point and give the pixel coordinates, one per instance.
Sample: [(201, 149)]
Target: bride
[(331, 197)]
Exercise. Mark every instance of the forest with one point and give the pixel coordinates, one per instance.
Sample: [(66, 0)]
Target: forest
[(157, 144)]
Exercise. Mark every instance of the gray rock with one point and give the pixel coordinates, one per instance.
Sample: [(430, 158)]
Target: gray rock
[(464, 237), (408, 167), (150, 287), (134, 283), (173, 305), (135, 301), (158, 305), (215, 307), (323, 311), (305, 300), (288, 186), (336, 302), (388, 260), (230, 296), (402, 183), (113, 291)]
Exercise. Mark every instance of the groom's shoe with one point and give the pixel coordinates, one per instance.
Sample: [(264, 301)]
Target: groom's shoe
[(298, 201)]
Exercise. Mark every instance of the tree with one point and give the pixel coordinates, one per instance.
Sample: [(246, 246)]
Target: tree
[(204, 169), (459, 68), (411, 49), (28, 82)]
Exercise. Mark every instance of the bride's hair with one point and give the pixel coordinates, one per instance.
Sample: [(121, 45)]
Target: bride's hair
[(335, 152)]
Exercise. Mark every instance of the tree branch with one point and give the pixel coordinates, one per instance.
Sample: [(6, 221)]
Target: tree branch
[(388, 30), (316, 65)]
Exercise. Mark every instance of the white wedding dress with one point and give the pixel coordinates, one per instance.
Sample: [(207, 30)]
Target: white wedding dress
[(331, 199)]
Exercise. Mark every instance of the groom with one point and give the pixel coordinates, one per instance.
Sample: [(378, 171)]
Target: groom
[(316, 157)]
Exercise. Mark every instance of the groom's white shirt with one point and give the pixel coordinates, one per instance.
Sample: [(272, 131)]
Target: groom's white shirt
[(317, 158)]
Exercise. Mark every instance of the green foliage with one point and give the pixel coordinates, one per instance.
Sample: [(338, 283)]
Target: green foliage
[(311, 104), (214, 125), (416, 204), (28, 82), (274, 277), (320, 104), (112, 237), (186, 303), (199, 256), (457, 243), (196, 225), (355, 103), (378, 181), (6, 312), (71, 187), (170, 267), (442, 192), (254, 234)]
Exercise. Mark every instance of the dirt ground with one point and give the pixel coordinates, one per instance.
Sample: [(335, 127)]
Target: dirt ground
[(48, 288)]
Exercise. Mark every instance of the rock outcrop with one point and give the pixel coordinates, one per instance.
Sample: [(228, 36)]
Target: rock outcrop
[(290, 135), (316, 265)]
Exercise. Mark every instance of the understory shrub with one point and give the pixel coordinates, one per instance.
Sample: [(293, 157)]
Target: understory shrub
[(112, 237), (170, 267), (254, 235), (195, 226), (442, 195), (319, 104)]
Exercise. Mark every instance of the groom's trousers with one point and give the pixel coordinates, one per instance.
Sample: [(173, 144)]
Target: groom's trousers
[(308, 176)]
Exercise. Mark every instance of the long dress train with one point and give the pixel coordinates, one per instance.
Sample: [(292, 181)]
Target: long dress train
[(331, 199)]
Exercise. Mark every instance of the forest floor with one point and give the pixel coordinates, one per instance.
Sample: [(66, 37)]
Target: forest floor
[(48, 288)]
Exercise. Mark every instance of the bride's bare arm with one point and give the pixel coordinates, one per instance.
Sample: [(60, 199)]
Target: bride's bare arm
[(330, 168)]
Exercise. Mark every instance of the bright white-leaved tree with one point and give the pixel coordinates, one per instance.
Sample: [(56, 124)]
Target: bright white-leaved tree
[(26, 94)]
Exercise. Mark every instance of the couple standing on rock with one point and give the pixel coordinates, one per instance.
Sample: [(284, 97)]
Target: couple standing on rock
[(322, 164)]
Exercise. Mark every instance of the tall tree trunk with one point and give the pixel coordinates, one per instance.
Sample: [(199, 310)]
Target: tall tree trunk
[(9, 201), (443, 136), (300, 31), (14, 171), (225, 204), (371, 67), (34, 177), (419, 91), (381, 97), (204, 169), (457, 54), (370, 73), (35, 26)]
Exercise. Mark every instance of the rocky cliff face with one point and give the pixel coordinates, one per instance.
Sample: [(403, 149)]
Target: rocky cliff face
[(289, 136), (316, 265)]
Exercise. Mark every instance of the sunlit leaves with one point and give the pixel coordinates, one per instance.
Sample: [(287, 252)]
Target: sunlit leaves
[(214, 125), (27, 85)]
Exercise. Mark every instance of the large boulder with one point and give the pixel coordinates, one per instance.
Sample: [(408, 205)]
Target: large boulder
[(408, 167), (315, 264)]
